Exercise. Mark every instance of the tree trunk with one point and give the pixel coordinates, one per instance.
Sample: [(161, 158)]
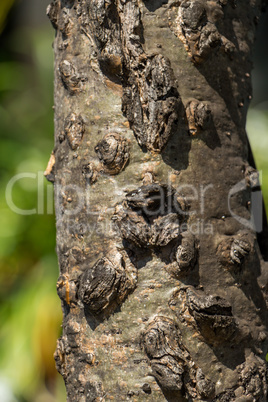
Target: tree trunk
[(162, 282)]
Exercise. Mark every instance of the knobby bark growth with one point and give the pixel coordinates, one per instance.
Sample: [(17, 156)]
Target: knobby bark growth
[(162, 283)]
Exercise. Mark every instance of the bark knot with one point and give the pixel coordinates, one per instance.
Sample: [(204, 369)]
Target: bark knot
[(171, 363), (74, 129), (150, 216), (105, 285), (113, 152)]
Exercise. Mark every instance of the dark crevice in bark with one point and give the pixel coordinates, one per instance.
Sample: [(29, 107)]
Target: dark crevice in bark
[(153, 6)]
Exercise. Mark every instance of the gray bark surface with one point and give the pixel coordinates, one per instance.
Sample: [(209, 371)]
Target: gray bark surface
[(163, 289)]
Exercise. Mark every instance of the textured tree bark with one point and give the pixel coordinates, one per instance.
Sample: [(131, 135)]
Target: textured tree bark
[(162, 283)]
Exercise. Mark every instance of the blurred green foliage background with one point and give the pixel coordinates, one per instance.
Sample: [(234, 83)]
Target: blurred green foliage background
[(30, 314)]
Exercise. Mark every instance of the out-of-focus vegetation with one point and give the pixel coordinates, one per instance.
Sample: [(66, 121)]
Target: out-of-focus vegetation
[(4, 9), (257, 128), (30, 313), (257, 121)]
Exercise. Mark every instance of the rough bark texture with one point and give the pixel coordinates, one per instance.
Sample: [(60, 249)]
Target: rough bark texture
[(163, 290)]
